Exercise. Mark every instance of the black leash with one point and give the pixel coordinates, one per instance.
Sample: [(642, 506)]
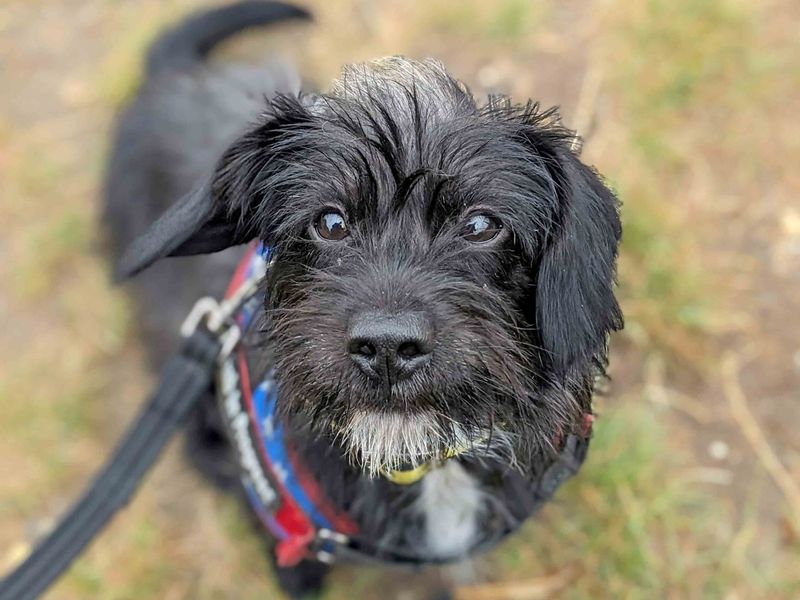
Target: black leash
[(187, 377)]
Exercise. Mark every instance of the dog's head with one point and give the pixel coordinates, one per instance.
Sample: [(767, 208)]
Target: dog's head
[(443, 273)]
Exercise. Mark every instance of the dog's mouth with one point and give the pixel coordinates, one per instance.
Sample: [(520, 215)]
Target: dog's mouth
[(386, 443)]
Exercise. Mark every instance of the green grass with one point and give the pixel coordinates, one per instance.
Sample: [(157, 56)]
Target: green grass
[(507, 22), (685, 51), (635, 524), (512, 20), (665, 292), (672, 61), (52, 245), (121, 72)]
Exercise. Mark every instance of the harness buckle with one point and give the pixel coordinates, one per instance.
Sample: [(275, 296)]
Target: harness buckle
[(218, 321), (330, 537)]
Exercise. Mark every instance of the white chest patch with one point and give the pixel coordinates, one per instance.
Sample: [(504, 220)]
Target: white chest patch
[(450, 502)]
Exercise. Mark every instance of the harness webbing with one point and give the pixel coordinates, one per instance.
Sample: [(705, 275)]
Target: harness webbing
[(285, 497)]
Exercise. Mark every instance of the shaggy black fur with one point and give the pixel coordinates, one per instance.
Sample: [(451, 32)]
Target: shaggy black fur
[(401, 150), (526, 314)]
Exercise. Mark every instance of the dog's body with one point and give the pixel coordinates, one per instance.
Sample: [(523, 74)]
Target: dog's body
[(442, 279)]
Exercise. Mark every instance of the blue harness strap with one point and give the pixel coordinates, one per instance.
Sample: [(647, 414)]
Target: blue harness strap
[(271, 433), (286, 502)]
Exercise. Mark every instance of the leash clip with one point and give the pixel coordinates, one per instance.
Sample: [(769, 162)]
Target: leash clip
[(212, 313), (219, 316)]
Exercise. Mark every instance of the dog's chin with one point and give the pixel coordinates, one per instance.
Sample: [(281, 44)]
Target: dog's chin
[(380, 442)]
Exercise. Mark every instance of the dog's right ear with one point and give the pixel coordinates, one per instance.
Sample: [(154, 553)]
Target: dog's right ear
[(195, 224)]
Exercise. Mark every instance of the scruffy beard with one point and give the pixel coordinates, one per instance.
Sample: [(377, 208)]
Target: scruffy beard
[(383, 442), (380, 442)]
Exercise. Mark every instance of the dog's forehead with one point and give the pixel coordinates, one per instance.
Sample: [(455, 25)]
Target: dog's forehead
[(398, 138), (392, 79), (405, 98)]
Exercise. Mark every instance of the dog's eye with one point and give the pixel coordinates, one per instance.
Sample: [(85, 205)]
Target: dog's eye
[(481, 228), (331, 226)]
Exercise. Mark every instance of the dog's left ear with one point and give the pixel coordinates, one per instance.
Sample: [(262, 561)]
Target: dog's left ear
[(195, 224), (575, 304), (224, 211)]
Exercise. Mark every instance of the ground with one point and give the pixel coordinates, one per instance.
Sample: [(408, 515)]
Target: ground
[(689, 108)]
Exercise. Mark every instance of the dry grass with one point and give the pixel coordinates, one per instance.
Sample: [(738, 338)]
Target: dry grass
[(694, 122)]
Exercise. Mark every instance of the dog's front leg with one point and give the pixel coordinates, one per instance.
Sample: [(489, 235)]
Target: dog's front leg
[(302, 581)]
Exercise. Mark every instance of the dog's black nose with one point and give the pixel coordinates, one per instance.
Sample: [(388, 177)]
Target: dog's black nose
[(390, 347)]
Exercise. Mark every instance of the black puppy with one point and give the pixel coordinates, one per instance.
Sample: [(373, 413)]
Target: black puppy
[(442, 284)]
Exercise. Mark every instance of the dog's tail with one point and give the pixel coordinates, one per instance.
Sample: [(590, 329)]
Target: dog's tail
[(190, 41)]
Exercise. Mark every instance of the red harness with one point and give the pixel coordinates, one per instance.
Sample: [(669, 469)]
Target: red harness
[(286, 498), (284, 495)]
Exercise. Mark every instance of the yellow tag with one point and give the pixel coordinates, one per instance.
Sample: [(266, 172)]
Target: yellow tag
[(408, 476)]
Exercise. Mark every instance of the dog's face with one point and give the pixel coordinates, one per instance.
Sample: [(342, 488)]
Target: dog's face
[(442, 273)]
